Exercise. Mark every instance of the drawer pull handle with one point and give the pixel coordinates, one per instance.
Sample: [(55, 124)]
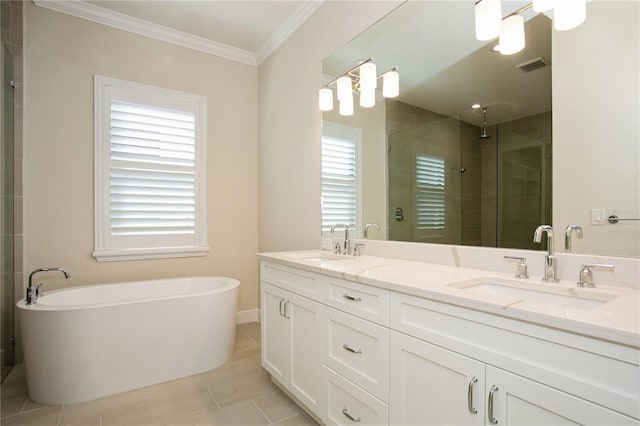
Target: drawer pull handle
[(349, 416), (351, 298), (470, 396), (492, 419), (355, 351)]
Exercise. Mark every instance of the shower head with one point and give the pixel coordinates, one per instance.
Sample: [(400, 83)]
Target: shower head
[(484, 135)]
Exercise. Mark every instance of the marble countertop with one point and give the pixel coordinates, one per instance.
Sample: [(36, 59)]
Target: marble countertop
[(608, 313)]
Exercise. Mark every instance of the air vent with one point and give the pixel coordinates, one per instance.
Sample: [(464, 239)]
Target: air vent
[(533, 64)]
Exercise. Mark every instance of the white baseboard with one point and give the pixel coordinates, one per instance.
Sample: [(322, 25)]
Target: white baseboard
[(252, 315)]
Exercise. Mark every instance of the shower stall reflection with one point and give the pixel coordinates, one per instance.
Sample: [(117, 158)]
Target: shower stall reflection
[(456, 187)]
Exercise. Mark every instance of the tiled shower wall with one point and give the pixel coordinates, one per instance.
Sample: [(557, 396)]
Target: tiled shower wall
[(11, 18)]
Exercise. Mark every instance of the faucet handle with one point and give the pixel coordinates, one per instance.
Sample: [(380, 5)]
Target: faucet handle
[(586, 275), (39, 291), (337, 248), (521, 268), (357, 249)]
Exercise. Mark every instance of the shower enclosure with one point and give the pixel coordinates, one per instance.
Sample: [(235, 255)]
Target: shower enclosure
[(452, 182), (7, 339)]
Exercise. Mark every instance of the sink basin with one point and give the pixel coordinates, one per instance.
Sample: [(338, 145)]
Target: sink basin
[(315, 257), (541, 294)]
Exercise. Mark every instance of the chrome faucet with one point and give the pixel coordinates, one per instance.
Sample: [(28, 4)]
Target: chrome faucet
[(369, 225), (33, 293), (347, 243), (550, 266), (567, 236)]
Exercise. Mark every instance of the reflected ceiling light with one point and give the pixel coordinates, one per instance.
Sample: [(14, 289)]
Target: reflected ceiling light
[(476, 106), (568, 14), (512, 35), (325, 101), (488, 15), (362, 79)]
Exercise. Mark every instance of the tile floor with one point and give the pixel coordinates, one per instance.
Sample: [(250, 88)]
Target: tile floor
[(237, 393)]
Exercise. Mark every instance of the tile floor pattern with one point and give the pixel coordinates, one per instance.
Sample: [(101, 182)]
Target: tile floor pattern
[(238, 393)]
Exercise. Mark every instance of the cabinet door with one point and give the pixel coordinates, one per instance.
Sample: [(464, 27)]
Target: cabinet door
[(430, 385), (274, 331), (520, 401), (305, 375)]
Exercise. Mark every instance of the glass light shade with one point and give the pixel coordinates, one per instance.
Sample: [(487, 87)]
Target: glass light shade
[(569, 14), (367, 98), (488, 14), (368, 77), (512, 35), (391, 84), (346, 106), (344, 88), (543, 5), (325, 99)]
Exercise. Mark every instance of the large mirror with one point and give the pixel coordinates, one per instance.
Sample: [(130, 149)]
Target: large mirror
[(430, 168)]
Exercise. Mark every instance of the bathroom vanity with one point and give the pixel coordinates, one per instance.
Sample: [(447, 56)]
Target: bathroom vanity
[(373, 340)]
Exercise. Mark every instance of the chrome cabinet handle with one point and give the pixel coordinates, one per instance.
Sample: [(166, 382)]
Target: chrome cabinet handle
[(470, 396), (281, 312), (351, 298), (349, 416), (492, 419), (355, 351), (286, 304)]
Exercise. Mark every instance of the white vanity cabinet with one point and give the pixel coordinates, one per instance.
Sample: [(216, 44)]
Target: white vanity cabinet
[(459, 366), (291, 338)]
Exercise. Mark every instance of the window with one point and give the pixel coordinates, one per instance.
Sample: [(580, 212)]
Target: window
[(430, 193), (341, 187), (150, 172)]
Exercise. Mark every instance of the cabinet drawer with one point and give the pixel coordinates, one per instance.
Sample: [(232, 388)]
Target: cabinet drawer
[(357, 349), (304, 283), (348, 404), (364, 301)]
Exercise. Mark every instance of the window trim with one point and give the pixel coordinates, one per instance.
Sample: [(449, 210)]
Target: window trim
[(103, 94)]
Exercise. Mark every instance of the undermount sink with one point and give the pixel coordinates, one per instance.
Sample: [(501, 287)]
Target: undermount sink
[(540, 294), (316, 257)]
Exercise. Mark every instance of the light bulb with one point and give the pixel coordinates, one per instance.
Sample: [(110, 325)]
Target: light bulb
[(569, 14), (512, 35), (368, 77), (391, 84), (344, 88), (488, 14), (367, 98), (346, 106), (543, 5), (325, 99)]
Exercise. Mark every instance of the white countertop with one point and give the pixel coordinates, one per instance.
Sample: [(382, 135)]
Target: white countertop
[(616, 320)]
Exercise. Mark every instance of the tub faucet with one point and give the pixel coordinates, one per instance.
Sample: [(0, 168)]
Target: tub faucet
[(550, 266), (347, 243), (34, 292)]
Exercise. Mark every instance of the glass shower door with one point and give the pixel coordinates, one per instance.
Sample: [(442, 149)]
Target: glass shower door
[(524, 188), (6, 215)]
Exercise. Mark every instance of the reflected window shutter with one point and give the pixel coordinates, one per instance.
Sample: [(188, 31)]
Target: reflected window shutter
[(430, 193), (339, 185), (152, 171)]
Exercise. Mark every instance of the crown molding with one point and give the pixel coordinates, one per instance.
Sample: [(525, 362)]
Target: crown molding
[(100, 15), (306, 9)]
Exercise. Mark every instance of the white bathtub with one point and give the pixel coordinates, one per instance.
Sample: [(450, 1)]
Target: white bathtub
[(86, 342)]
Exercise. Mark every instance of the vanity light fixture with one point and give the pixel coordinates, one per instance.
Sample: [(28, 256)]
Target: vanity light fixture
[(363, 79), (567, 14)]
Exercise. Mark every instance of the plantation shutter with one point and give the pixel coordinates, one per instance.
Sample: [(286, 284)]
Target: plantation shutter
[(339, 182), (152, 170), (430, 193)]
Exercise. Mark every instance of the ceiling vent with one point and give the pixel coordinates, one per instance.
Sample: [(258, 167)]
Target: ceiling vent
[(533, 64)]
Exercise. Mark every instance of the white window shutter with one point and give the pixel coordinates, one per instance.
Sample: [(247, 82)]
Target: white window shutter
[(430, 193), (339, 195)]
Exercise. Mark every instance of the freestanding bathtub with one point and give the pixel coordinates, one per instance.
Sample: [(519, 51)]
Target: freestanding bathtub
[(86, 342)]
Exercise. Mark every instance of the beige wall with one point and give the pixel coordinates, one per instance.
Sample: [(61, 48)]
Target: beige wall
[(62, 53), (596, 135), (289, 123)]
